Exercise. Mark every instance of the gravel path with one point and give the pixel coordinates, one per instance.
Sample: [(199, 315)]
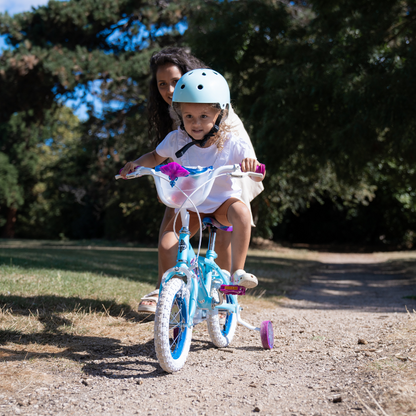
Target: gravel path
[(327, 335)]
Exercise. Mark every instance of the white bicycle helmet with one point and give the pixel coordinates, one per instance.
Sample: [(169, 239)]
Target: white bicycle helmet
[(204, 86)]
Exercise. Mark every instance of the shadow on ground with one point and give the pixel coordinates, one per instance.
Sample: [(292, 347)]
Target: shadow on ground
[(382, 287), (98, 356)]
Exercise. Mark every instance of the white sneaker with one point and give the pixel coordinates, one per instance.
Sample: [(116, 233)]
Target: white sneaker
[(241, 278)]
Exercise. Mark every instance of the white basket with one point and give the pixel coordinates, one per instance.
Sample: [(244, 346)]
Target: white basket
[(196, 185)]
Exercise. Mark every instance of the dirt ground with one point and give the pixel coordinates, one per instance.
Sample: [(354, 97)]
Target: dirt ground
[(344, 345)]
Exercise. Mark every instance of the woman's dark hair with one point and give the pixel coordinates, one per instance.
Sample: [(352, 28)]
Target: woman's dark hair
[(160, 122)]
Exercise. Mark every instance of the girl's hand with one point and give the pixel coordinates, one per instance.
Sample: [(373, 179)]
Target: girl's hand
[(250, 165), (128, 168)]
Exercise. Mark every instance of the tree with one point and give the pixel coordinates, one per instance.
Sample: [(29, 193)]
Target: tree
[(323, 85), (55, 52), (63, 45), (333, 81), (10, 194)]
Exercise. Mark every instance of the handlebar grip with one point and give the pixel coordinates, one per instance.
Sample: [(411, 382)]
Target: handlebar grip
[(130, 171), (261, 168)]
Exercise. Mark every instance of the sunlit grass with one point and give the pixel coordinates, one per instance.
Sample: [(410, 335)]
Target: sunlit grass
[(73, 288), (69, 302)]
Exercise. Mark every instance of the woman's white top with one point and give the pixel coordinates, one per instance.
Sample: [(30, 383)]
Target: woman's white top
[(249, 188), (234, 151)]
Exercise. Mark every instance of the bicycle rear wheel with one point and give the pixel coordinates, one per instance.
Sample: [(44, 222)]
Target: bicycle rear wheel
[(173, 332), (222, 333)]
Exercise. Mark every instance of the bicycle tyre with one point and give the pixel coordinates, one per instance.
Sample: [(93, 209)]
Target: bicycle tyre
[(222, 334), (173, 333)]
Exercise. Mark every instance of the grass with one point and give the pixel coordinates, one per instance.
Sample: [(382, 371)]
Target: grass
[(55, 289), (64, 302), (42, 276)]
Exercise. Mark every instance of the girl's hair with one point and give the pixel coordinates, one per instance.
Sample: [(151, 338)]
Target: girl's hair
[(160, 121), (224, 130)]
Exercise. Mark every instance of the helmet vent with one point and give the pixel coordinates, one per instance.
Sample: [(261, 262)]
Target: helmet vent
[(204, 74), (200, 87), (182, 86)]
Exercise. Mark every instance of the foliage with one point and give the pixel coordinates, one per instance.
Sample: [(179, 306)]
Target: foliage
[(325, 90), (63, 50), (10, 192), (323, 85), (57, 47)]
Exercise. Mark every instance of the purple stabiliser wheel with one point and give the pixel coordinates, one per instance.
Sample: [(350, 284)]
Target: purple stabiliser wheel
[(267, 335)]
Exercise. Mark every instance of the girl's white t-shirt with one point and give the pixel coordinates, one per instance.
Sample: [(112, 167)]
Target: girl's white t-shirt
[(234, 151), (249, 188)]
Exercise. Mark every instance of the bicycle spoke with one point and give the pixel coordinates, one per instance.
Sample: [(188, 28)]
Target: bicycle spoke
[(176, 323)]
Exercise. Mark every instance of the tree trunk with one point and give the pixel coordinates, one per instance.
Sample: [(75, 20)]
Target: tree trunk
[(8, 230)]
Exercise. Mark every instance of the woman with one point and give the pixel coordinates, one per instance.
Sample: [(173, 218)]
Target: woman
[(167, 67)]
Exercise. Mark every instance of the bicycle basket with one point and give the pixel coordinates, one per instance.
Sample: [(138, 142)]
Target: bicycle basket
[(197, 184)]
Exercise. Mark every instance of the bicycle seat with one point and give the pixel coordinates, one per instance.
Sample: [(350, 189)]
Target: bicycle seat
[(214, 223)]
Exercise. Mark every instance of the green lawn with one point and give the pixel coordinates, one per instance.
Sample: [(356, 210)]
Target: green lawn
[(62, 278), (46, 287), (48, 274)]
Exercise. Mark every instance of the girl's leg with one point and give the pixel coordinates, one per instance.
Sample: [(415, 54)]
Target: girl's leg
[(223, 249)]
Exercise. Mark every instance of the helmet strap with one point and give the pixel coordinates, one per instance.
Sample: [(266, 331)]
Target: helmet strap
[(202, 142)]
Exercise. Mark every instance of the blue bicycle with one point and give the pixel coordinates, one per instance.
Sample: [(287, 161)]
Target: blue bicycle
[(195, 289)]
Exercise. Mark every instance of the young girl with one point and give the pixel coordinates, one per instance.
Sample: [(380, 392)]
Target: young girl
[(167, 66), (202, 100)]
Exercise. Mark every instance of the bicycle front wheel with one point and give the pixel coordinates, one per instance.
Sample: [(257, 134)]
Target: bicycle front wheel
[(173, 332), (222, 325)]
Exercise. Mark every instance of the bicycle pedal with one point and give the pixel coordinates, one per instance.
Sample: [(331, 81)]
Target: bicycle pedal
[(233, 290)]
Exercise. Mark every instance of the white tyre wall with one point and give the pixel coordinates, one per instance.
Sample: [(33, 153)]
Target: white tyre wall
[(221, 335), (172, 354)]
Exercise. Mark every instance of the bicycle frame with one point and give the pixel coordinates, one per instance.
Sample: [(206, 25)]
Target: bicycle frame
[(181, 306), (187, 264)]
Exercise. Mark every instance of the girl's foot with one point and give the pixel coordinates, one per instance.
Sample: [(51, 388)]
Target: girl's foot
[(241, 278)]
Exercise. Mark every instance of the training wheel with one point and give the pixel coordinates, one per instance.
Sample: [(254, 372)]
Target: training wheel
[(267, 335)]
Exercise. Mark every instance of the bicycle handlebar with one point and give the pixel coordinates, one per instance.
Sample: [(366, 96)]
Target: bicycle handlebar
[(233, 170)]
